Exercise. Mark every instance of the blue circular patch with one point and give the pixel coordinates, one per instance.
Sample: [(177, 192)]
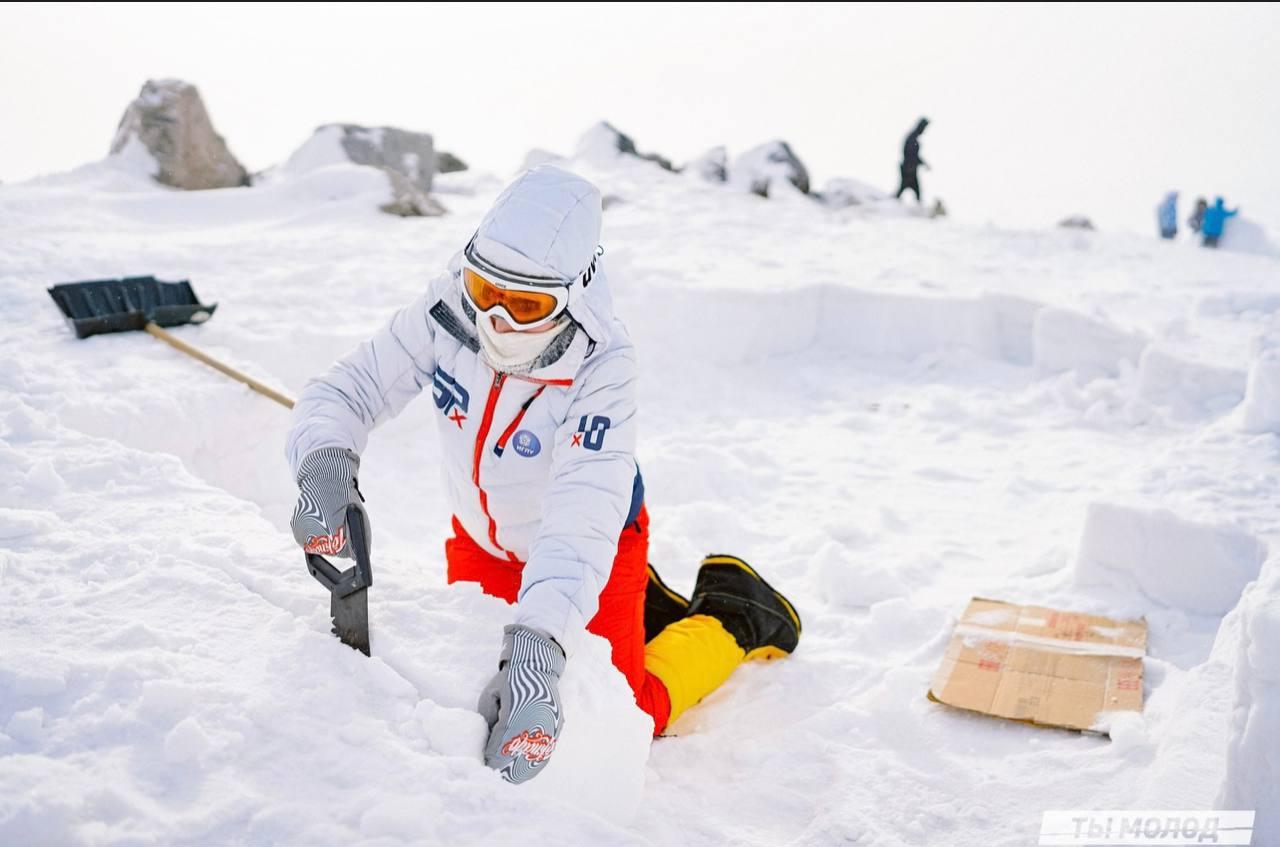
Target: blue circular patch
[(526, 443)]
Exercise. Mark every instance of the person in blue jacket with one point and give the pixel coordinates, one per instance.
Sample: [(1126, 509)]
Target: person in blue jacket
[(1215, 218), (1167, 215)]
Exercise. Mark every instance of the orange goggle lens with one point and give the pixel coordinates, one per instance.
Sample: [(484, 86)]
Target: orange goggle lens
[(524, 306)]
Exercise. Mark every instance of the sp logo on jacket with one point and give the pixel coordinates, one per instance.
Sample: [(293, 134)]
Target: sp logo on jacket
[(451, 398)]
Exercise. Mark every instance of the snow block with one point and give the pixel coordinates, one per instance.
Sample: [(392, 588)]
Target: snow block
[(1261, 407), (1199, 568), (1063, 340), (834, 318), (1190, 387), (599, 763), (994, 326), (1252, 779)]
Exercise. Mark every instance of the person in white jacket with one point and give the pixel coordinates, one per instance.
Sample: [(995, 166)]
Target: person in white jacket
[(534, 381)]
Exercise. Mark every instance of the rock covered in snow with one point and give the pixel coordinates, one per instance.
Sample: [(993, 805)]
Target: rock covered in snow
[(169, 119), (407, 158), (603, 143), (408, 200), (761, 169), (447, 163), (1076, 222), (713, 165), (842, 192), (410, 154)]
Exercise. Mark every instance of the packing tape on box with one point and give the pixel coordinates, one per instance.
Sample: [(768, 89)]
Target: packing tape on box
[(1061, 645)]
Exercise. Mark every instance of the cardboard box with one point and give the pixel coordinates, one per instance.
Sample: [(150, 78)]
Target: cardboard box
[(1042, 666)]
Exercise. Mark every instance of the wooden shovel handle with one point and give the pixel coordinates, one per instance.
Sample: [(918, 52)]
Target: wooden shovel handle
[(174, 341)]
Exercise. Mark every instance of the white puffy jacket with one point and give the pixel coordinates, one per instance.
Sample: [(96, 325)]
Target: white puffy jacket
[(540, 466)]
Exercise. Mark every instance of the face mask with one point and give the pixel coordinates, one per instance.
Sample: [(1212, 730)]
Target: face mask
[(514, 351)]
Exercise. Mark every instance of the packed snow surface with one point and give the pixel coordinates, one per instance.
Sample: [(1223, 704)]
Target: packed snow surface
[(886, 415)]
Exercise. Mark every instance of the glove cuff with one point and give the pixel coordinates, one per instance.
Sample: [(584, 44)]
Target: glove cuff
[(532, 648), (329, 463)]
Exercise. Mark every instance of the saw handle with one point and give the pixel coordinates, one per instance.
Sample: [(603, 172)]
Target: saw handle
[(355, 578), (177, 343)]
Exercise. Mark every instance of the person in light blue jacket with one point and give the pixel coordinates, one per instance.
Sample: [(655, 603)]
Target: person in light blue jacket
[(1215, 218), (1167, 215)]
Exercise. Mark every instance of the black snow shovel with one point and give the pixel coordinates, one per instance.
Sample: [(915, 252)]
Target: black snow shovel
[(144, 303), (349, 589)]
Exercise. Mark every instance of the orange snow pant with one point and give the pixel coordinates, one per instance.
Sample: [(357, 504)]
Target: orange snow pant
[(619, 620)]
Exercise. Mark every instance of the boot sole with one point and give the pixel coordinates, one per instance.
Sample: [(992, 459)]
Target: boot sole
[(767, 652)]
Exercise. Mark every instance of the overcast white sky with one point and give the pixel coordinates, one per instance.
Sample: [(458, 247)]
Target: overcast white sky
[(1037, 111)]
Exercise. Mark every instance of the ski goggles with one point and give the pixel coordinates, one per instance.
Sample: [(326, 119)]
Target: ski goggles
[(524, 301)]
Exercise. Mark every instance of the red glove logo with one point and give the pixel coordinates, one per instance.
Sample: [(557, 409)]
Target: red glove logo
[(536, 746), (327, 545)]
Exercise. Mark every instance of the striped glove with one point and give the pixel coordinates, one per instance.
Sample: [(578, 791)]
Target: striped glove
[(522, 704), (326, 486)]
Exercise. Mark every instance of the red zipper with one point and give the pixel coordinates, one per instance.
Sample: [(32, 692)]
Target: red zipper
[(486, 423)]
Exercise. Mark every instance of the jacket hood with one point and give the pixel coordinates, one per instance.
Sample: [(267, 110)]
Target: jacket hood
[(547, 223)]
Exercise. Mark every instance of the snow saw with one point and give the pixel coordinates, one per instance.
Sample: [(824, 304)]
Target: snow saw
[(349, 589), (144, 303)]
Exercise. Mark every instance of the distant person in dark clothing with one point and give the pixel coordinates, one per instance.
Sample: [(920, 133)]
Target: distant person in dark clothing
[(1215, 218), (1167, 215), (911, 161), (1197, 217)]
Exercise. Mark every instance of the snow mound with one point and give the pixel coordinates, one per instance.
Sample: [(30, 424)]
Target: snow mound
[(1244, 235), (842, 192), (131, 170), (322, 149), (1199, 568), (1252, 778)]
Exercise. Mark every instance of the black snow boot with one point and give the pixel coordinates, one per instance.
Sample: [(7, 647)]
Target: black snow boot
[(662, 606), (760, 619)]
